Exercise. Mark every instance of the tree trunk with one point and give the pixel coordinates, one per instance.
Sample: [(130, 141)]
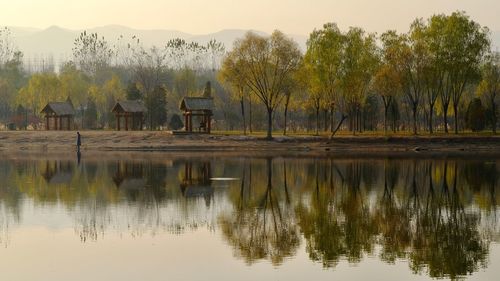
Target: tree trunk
[(455, 113), (414, 109), (430, 119), (385, 119), (354, 115), (317, 121), (250, 115), (445, 117), (287, 102), (269, 123), (338, 125), (494, 113), (332, 117), (243, 116), (394, 124), (285, 117), (325, 111)]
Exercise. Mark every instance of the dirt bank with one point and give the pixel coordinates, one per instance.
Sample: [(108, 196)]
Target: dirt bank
[(95, 141)]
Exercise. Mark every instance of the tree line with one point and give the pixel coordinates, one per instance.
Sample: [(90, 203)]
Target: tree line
[(439, 76), (442, 66)]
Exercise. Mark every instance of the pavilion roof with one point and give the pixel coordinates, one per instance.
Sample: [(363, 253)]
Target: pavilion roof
[(131, 106), (59, 108), (197, 103)]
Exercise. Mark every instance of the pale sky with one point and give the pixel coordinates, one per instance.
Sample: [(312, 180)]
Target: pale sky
[(206, 16)]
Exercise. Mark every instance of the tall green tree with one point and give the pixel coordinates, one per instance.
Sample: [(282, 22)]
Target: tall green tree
[(466, 42), (157, 108), (413, 54), (435, 68), (387, 84), (360, 62), (133, 92), (489, 87), (266, 63), (232, 75), (323, 66), (12, 75)]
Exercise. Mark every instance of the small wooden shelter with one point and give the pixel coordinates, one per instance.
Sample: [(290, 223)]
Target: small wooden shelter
[(197, 106), (59, 114), (133, 113)]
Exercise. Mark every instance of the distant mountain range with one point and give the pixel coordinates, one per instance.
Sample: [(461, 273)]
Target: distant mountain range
[(57, 42)]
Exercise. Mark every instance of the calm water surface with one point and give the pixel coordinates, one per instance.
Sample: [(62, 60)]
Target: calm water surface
[(161, 217)]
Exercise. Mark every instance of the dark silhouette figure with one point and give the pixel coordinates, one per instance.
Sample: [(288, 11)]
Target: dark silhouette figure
[(78, 156), (78, 141)]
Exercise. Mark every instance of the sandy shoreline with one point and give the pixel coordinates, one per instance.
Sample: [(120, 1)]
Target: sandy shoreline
[(159, 141)]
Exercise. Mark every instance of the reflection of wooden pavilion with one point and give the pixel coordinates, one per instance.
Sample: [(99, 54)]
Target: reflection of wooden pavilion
[(59, 114), (197, 106), (58, 172), (196, 181), (131, 111), (128, 172)]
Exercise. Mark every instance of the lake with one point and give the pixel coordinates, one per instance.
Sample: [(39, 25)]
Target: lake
[(153, 216)]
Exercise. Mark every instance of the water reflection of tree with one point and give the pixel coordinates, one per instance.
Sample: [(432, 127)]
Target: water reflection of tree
[(420, 214), (392, 217), (446, 238), (437, 214), (261, 226), (336, 221)]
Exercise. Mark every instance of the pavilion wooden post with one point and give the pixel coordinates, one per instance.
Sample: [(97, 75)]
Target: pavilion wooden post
[(47, 127), (55, 120), (126, 121), (142, 120), (118, 121), (190, 122), (209, 126), (69, 123)]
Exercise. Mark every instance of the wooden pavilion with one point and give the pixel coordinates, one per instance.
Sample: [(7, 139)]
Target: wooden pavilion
[(133, 113), (201, 107), (59, 115)]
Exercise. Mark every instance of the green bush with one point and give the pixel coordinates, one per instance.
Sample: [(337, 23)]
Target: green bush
[(476, 115), (175, 122)]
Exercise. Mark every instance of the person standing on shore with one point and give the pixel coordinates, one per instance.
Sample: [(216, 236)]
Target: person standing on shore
[(78, 141)]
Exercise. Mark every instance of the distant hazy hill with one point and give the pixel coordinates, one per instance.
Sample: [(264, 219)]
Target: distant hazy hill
[(495, 40), (58, 42)]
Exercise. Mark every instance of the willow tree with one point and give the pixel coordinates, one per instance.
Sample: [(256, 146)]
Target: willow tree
[(267, 64)]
